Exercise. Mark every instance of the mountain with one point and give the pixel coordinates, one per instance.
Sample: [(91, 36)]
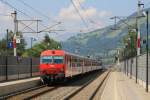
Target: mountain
[(102, 40)]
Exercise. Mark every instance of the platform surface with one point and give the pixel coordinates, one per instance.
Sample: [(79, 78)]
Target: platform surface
[(18, 85), (19, 81), (121, 87)]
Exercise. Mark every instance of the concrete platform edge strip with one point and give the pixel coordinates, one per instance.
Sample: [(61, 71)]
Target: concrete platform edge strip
[(15, 86)]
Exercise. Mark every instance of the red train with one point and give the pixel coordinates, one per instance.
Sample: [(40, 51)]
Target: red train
[(58, 64)]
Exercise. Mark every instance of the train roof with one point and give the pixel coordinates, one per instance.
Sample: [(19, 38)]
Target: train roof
[(62, 52), (52, 52)]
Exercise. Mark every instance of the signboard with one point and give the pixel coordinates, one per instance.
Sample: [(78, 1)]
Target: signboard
[(17, 39), (10, 44)]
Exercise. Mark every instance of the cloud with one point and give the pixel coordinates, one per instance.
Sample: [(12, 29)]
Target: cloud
[(6, 22), (4, 10), (104, 13), (71, 14), (93, 17)]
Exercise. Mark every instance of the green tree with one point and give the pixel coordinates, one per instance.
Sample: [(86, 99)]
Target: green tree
[(46, 44), (130, 43), (21, 46)]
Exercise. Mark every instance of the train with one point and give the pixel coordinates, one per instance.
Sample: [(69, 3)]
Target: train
[(59, 65)]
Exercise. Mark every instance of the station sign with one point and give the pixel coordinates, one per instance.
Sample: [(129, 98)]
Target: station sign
[(18, 39), (10, 44)]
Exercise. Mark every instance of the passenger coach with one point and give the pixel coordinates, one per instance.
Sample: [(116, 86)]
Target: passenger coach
[(58, 64)]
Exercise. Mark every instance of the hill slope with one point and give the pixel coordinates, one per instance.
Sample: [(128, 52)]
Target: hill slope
[(102, 40)]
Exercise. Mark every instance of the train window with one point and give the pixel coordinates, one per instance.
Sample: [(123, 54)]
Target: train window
[(46, 59), (58, 59)]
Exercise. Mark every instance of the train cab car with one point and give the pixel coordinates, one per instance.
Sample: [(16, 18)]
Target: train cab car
[(52, 65), (58, 64)]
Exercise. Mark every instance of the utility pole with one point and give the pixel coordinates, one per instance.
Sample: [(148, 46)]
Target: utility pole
[(7, 43), (115, 20), (15, 32), (138, 35), (147, 26), (6, 61), (138, 26)]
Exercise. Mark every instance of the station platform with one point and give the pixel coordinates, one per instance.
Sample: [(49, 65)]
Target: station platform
[(121, 87), (18, 85)]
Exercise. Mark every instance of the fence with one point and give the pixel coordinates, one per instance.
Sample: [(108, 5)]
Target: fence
[(12, 68), (138, 73)]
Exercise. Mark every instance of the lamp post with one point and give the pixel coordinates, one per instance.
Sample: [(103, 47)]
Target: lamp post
[(32, 39)]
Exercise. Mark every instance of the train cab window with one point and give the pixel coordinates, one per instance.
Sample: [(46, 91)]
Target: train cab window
[(58, 59), (46, 59)]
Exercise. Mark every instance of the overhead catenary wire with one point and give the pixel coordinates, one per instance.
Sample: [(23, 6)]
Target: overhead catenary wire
[(40, 13), (11, 6), (83, 9), (83, 20), (35, 10), (28, 27), (5, 2), (8, 4), (89, 19)]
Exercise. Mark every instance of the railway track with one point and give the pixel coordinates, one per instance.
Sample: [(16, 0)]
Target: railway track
[(66, 91), (15, 93), (71, 90), (81, 93), (29, 93)]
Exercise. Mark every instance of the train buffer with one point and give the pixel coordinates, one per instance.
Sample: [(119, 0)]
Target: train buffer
[(121, 87)]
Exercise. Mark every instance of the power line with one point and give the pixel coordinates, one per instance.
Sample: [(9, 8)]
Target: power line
[(79, 13), (35, 10), (5, 2), (89, 19)]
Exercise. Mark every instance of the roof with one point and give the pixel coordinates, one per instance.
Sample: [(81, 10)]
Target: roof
[(62, 52), (52, 52)]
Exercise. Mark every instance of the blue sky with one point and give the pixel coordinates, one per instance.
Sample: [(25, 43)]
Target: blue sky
[(99, 11)]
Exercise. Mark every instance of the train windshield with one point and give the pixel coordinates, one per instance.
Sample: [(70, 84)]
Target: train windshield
[(58, 59), (46, 59)]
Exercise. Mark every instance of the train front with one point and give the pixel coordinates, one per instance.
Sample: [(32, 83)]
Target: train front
[(52, 66)]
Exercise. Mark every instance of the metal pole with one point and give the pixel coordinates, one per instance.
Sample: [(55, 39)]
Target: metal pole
[(137, 32), (31, 42), (147, 55), (138, 26), (136, 67), (127, 66), (136, 74), (6, 57), (31, 67), (7, 43), (31, 59), (15, 32), (131, 62)]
